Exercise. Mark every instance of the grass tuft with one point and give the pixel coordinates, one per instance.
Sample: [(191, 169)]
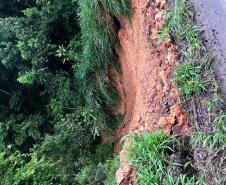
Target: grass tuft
[(151, 155), (178, 25), (113, 165), (189, 79)]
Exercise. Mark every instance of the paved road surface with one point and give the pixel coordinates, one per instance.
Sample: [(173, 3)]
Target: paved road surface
[(211, 16)]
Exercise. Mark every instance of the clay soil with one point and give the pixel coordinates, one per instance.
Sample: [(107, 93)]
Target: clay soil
[(149, 98)]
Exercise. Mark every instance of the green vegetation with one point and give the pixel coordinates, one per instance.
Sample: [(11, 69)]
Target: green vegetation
[(56, 96), (99, 38), (111, 170), (215, 140), (55, 93), (189, 79), (178, 25), (155, 157), (14, 169), (189, 76), (199, 89)]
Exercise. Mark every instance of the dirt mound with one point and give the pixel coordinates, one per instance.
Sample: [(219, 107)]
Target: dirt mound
[(149, 98)]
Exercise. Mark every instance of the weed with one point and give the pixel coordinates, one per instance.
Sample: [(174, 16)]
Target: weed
[(210, 140), (189, 79), (191, 34), (178, 25), (209, 106), (112, 167), (151, 155), (99, 39), (175, 19), (101, 173)]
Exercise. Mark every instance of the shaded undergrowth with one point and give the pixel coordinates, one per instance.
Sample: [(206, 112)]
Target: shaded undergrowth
[(56, 95)]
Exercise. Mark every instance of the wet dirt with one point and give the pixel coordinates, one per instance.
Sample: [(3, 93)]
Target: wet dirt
[(148, 66), (210, 16), (149, 98), (145, 66)]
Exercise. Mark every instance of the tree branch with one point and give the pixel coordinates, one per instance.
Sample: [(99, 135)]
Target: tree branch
[(5, 92)]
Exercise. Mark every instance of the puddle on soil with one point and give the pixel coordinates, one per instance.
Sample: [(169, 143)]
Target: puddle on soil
[(211, 17)]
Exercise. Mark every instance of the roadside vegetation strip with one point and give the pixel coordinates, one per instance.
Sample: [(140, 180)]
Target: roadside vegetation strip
[(198, 87), (162, 159)]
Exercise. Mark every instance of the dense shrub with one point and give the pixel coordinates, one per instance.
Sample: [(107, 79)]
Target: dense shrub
[(20, 168), (55, 93)]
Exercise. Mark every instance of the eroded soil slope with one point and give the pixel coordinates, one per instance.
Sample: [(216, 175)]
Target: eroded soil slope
[(147, 65), (149, 99)]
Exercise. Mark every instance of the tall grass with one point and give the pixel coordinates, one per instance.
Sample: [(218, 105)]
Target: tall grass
[(152, 155), (99, 40), (189, 78), (178, 25)]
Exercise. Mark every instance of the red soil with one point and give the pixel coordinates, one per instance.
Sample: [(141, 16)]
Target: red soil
[(149, 98), (147, 67)]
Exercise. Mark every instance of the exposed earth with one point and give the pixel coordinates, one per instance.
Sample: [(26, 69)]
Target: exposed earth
[(149, 98), (148, 67)]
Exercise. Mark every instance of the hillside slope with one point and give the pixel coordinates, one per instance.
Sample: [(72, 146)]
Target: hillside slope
[(161, 93), (147, 67)]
